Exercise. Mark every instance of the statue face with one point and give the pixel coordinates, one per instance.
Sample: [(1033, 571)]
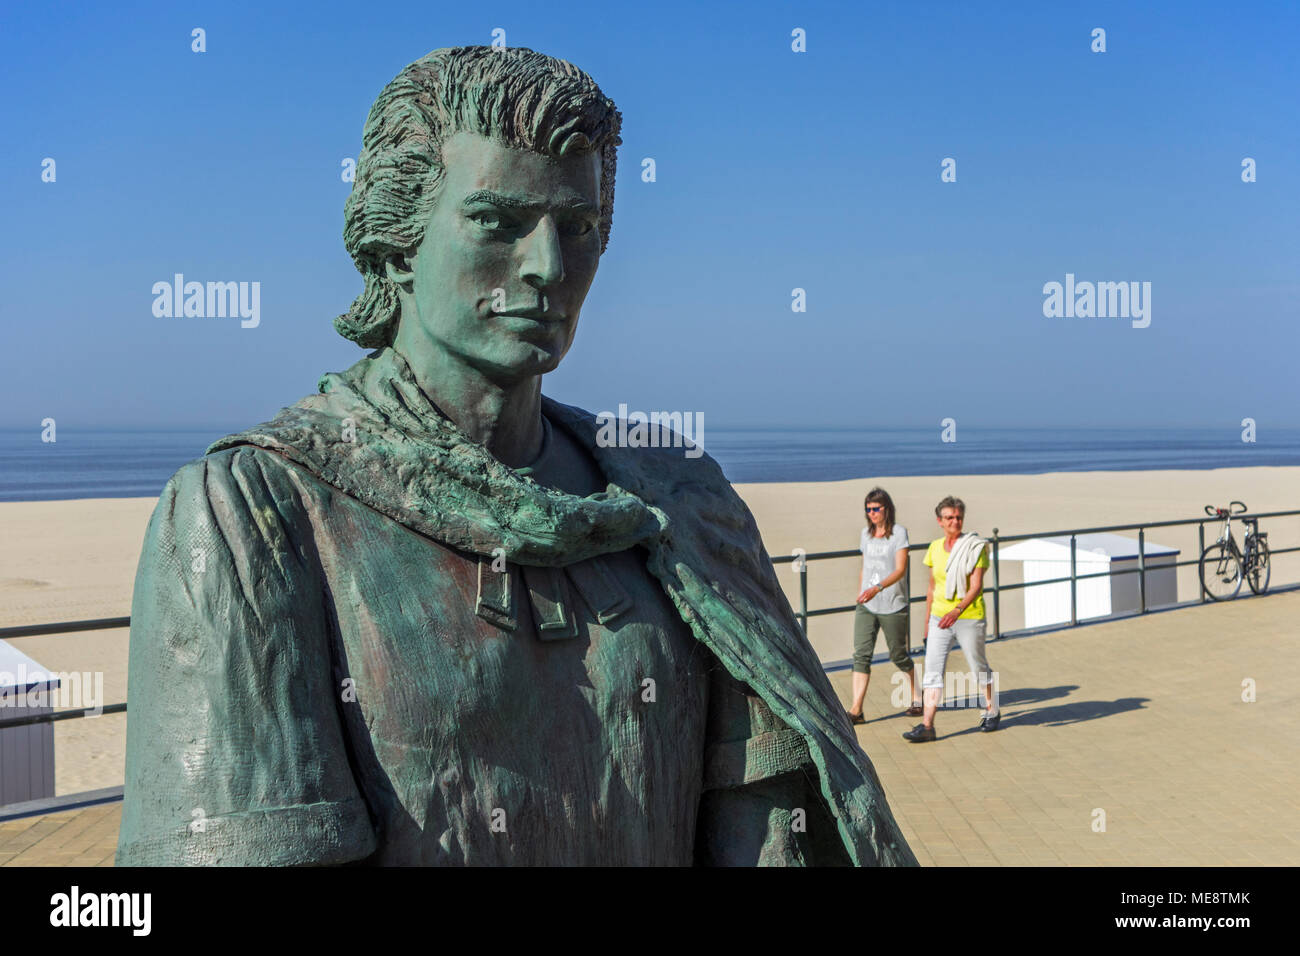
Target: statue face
[(508, 255)]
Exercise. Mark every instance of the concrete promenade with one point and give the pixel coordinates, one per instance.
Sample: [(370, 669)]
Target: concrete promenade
[(1142, 719)]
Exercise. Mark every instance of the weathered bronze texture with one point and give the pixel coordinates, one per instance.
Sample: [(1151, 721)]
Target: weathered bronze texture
[(424, 616)]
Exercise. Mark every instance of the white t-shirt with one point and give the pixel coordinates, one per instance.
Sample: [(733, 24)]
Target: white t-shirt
[(879, 559)]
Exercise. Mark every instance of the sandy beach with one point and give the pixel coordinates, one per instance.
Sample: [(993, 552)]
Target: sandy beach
[(74, 560)]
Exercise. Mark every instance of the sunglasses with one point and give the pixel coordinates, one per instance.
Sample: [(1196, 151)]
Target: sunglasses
[(871, 508)]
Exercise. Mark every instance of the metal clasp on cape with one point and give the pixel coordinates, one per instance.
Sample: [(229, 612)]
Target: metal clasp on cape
[(550, 596)]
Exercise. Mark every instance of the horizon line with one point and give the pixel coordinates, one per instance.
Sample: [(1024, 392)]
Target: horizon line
[(782, 426)]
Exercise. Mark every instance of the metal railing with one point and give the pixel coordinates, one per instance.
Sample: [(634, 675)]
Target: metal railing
[(996, 588), (804, 612), (64, 627)]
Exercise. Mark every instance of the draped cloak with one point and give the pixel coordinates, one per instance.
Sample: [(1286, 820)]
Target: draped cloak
[(373, 434)]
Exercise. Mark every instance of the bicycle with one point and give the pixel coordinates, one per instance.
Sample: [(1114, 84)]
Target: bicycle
[(1224, 565)]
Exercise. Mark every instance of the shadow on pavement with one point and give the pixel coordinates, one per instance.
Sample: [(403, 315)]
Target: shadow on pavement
[(1057, 716)]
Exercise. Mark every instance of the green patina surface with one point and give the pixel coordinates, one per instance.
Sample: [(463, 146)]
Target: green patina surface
[(344, 544)]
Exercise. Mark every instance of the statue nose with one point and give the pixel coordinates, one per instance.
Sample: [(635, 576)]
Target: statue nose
[(543, 259)]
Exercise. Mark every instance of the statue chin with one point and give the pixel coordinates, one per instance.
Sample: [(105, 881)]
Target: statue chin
[(527, 362), (528, 358)]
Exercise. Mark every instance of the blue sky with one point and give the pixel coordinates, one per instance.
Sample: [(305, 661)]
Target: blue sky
[(776, 170)]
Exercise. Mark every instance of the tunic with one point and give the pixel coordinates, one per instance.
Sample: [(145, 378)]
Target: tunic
[(357, 637), (323, 690)]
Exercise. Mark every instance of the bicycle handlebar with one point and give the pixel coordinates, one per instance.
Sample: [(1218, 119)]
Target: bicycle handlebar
[(1243, 510)]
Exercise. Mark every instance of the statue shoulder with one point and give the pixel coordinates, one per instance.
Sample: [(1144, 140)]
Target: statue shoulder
[(241, 473), (229, 509)]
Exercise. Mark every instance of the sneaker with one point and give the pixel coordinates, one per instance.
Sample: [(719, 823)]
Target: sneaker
[(919, 734), (989, 724)]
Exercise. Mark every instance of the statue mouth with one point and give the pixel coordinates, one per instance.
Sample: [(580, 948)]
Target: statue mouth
[(536, 315)]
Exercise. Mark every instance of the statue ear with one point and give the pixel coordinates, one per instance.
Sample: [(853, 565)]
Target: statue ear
[(400, 269)]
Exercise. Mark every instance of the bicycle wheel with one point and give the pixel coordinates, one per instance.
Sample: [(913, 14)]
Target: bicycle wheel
[(1221, 572), (1258, 572)]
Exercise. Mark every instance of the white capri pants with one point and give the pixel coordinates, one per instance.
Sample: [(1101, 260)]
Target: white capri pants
[(969, 633)]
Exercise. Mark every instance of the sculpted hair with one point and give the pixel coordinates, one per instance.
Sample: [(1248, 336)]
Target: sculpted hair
[(514, 95), (950, 502), (881, 497)]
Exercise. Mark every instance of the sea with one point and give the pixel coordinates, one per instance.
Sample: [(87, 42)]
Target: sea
[(122, 463)]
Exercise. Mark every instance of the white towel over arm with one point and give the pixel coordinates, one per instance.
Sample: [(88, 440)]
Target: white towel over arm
[(961, 562)]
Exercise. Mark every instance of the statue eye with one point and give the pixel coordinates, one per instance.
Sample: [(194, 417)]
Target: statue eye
[(577, 227), (492, 221)]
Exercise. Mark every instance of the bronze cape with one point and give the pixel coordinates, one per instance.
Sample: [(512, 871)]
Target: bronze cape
[(703, 544), (370, 434)]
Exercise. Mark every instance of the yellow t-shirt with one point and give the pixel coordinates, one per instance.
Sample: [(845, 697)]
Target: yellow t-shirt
[(937, 559)]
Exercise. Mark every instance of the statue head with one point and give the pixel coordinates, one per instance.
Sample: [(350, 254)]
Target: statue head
[(511, 116)]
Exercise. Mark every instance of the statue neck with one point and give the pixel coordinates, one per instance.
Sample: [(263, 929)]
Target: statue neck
[(504, 419)]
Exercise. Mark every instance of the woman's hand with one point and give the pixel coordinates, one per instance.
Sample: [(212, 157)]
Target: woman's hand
[(868, 594), (949, 619)]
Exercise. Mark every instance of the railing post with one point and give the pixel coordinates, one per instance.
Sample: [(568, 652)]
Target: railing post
[(997, 621), (1142, 569), (1074, 596), (803, 596), (1200, 534)]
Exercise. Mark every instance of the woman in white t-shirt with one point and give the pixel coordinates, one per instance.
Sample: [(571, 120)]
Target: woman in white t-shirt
[(882, 603)]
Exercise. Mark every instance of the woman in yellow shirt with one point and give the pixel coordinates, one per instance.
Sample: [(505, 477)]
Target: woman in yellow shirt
[(955, 611)]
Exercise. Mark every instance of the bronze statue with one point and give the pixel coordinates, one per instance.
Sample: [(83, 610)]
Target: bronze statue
[(424, 616)]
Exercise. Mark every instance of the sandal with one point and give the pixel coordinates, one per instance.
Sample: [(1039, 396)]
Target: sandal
[(916, 710), (855, 718)]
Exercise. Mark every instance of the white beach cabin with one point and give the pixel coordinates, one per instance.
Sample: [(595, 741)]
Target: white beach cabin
[(1048, 558), (26, 753)]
